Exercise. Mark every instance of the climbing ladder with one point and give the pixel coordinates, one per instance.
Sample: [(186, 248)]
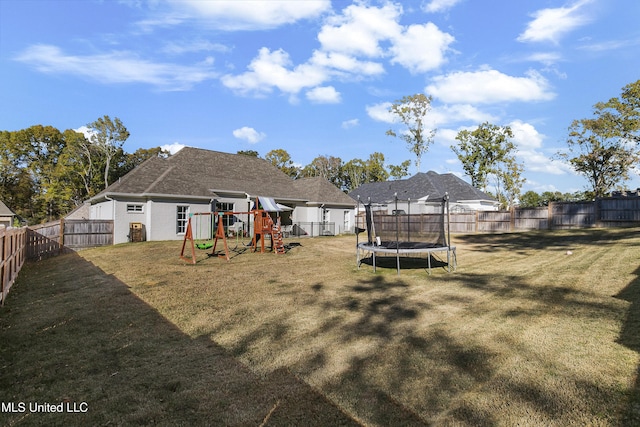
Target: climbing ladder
[(263, 226), (276, 238)]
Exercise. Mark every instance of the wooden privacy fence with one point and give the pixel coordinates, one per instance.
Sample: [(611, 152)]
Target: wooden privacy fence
[(12, 256), (54, 238), (607, 212)]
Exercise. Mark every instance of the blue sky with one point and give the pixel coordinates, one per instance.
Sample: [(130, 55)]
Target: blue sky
[(317, 77)]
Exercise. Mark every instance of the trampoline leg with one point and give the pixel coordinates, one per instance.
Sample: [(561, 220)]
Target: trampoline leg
[(374, 262), (429, 262)]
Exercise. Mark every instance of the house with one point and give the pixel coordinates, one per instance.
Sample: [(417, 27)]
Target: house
[(6, 216), (423, 192), (159, 195), (326, 204)]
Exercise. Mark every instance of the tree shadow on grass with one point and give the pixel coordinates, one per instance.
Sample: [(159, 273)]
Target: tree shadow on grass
[(406, 262), (84, 337), (630, 338), (561, 240), (421, 375)]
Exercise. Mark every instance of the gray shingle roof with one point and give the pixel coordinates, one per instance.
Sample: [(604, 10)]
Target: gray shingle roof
[(320, 190), (197, 172), (420, 185)]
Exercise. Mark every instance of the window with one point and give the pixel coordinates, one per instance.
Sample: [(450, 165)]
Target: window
[(134, 208), (347, 220), (182, 217), (227, 220)]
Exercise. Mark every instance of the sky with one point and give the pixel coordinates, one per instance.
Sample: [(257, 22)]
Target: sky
[(317, 77)]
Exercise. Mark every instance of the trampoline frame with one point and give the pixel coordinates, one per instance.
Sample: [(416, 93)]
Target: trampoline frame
[(375, 246)]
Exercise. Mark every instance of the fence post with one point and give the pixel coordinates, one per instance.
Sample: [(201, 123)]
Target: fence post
[(61, 236), (512, 218), (477, 221), (550, 215)]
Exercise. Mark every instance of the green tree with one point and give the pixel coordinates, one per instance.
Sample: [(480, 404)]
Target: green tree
[(530, 199), (328, 167), (399, 171), (357, 172), (597, 151), (108, 136), (127, 162), (488, 153), (252, 153), (281, 159), (604, 148), (411, 111)]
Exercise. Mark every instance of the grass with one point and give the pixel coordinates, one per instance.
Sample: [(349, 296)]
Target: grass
[(520, 334)]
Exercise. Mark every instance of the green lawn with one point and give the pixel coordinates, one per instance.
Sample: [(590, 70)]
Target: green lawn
[(523, 333)]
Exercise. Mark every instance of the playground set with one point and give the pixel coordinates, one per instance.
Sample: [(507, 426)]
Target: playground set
[(211, 226)]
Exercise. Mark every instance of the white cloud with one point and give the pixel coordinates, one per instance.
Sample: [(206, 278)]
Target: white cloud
[(88, 133), (546, 58), (351, 45), (529, 142), (324, 95), (359, 29), (489, 86), (421, 48), (380, 112), (348, 124), (250, 135), (238, 15), (173, 148), (526, 135), (274, 69), (116, 67), (178, 48), (439, 5), (447, 137), (552, 23), (458, 113), (608, 46), (337, 63)]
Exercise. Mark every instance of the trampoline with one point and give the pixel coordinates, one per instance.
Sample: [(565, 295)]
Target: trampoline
[(403, 234)]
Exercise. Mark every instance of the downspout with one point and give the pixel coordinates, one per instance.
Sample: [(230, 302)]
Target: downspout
[(113, 215)]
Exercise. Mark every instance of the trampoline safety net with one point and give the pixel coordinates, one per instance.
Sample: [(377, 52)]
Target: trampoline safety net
[(404, 230)]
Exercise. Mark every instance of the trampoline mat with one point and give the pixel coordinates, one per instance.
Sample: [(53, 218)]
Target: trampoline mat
[(408, 245)]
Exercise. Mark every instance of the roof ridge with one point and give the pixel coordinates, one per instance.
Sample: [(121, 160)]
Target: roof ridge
[(159, 178)]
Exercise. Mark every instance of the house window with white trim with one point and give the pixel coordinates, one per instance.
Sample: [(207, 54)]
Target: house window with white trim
[(135, 208), (182, 217), (227, 220)]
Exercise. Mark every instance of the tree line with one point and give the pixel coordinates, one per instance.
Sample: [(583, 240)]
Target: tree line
[(45, 173), (346, 176)]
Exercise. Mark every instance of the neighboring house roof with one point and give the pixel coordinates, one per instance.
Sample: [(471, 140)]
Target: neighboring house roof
[(4, 210), (431, 185), (320, 190), (204, 173), (81, 212)]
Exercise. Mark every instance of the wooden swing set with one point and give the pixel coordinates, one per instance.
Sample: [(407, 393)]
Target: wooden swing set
[(263, 226)]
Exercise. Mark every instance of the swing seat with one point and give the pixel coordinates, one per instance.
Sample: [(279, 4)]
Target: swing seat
[(204, 245)]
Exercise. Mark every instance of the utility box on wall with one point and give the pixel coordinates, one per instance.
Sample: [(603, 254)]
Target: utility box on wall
[(136, 232)]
